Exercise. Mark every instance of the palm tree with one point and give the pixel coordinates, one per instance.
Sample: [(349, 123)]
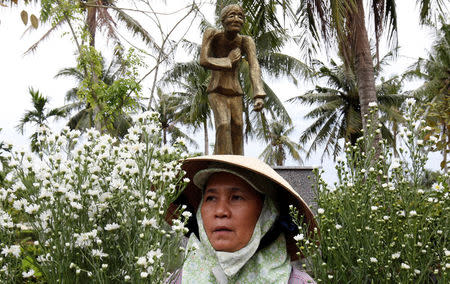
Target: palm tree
[(278, 144), (192, 106), (38, 116), (338, 114), (85, 113), (97, 17), (435, 92), (343, 22), (165, 106)]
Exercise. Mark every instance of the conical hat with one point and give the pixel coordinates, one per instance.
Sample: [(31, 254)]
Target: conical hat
[(261, 176)]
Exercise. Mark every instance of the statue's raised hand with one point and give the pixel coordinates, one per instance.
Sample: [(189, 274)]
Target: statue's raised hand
[(258, 104), (235, 55)]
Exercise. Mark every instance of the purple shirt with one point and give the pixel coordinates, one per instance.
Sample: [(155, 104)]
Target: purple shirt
[(299, 277)]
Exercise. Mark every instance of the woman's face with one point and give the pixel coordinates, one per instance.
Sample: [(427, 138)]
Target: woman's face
[(230, 210)]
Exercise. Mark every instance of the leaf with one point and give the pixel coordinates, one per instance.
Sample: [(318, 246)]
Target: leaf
[(24, 16), (34, 21)]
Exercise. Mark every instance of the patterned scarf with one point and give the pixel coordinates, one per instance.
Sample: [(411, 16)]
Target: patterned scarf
[(268, 265)]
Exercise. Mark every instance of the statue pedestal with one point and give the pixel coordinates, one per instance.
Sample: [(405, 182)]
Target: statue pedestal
[(297, 177)]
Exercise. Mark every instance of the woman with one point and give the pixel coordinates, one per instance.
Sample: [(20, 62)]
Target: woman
[(242, 232)]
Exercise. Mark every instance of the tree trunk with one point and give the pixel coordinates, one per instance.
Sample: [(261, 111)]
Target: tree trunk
[(364, 70), (91, 23), (205, 129), (280, 157)]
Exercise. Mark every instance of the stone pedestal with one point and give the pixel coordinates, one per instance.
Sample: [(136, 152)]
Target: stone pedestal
[(297, 177)]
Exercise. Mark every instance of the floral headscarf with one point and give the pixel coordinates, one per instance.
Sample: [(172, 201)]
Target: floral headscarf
[(247, 265)]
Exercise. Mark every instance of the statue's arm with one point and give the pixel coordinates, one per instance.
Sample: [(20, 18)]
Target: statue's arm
[(254, 69), (206, 60)]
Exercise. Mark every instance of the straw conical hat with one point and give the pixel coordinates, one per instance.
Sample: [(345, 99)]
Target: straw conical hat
[(261, 176)]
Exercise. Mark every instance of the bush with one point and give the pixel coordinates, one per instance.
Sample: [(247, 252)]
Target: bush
[(95, 207), (379, 224)]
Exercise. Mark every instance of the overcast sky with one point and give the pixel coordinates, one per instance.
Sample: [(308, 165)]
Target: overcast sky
[(18, 72)]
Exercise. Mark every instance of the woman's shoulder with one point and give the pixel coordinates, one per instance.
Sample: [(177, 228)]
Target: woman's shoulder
[(299, 277), (175, 277)]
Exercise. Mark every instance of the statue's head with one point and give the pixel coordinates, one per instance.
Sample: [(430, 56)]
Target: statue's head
[(232, 18)]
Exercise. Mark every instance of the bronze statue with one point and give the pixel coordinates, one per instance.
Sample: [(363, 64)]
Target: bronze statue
[(221, 52)]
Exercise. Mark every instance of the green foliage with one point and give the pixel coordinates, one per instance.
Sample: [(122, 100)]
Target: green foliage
[(168, 108), (378, 224), (121, 68), (112, 98), (58, 11), (434, 94), (278, 144), (334, 24), (431, 10), (107, 101), (337, 109), (190, 100)]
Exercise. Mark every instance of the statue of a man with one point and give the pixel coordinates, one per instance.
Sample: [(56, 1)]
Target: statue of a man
[(221, 52)]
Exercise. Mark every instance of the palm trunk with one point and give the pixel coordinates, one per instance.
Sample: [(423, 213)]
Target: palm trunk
[(164, 135), (91, 22), (205, 129), (280, 158), (364, 71)]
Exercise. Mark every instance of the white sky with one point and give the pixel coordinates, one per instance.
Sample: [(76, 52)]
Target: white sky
[(18, 73)]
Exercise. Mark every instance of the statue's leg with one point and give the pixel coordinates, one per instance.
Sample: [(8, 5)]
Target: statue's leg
[(237, 125), (222, 119)]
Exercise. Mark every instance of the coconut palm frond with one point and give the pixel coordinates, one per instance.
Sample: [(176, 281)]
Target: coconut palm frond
[(137, 29), (54, 27)]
